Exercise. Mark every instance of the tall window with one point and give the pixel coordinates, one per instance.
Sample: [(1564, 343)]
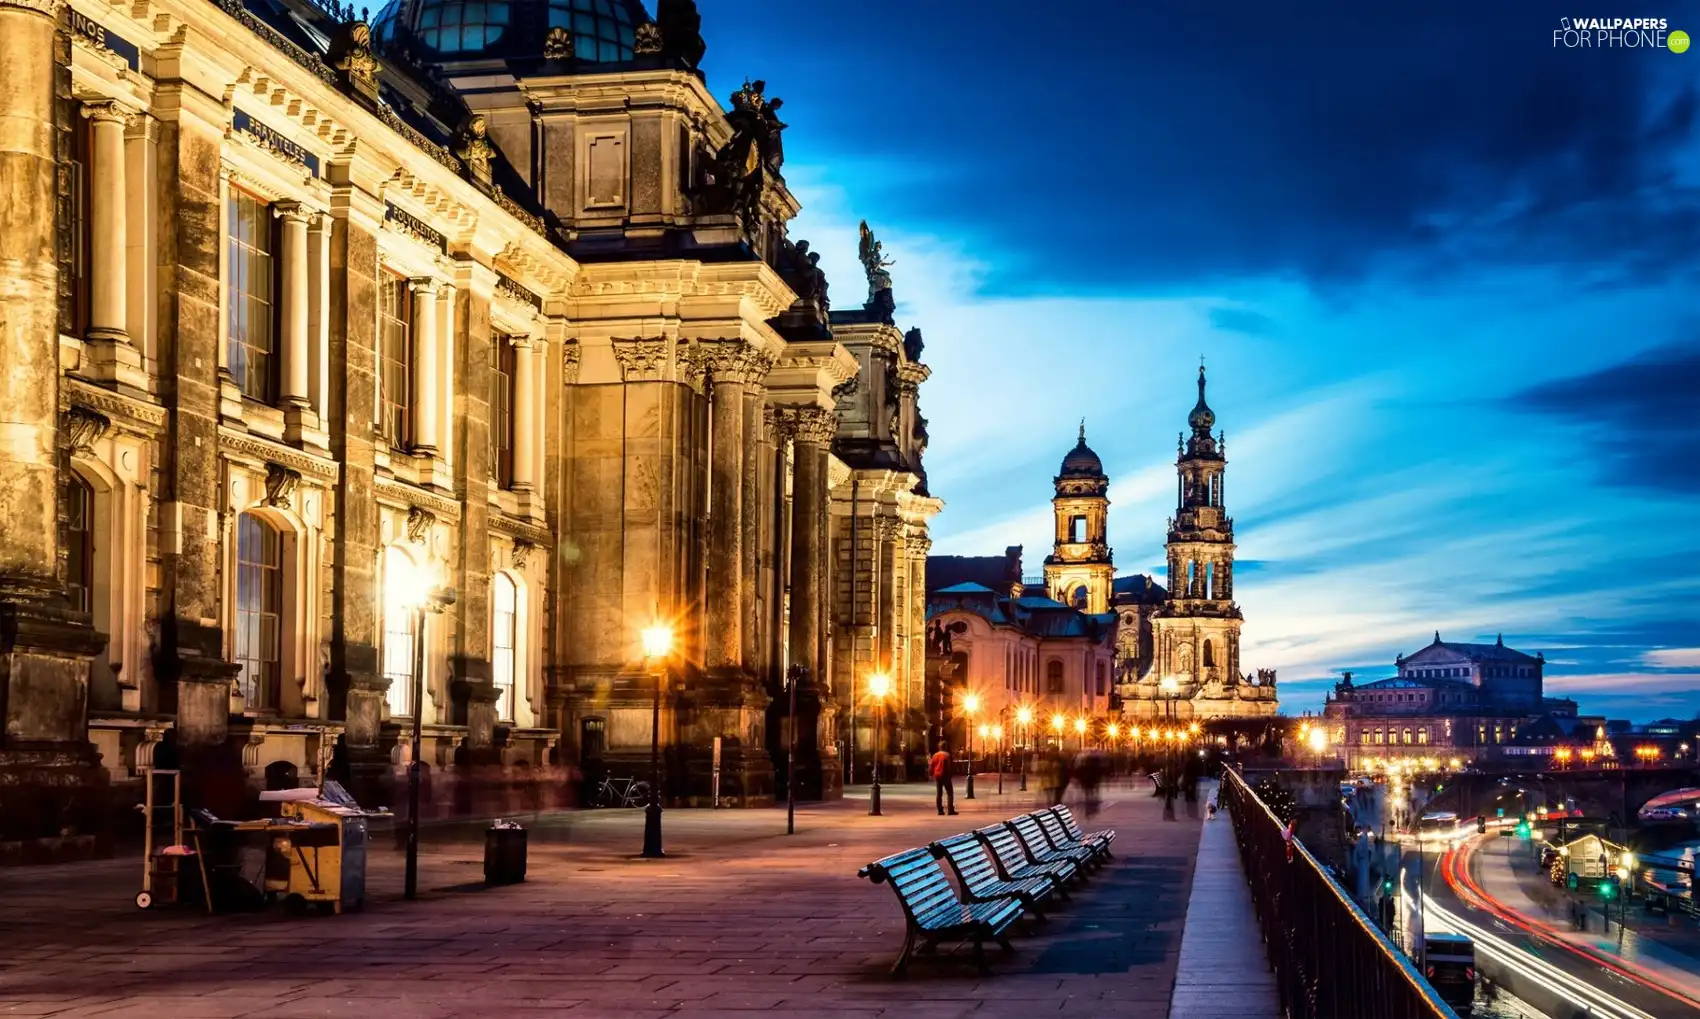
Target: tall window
[(79, 543), (1103, 682), (1054, 676), (398, 640), (259, 608), (1209, 654), (505, 624), (502, 410), (253, 312), (1077, 529), (395, 357)]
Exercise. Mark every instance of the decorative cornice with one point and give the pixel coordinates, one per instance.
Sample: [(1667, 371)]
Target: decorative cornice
[(524, 215), (642, 359), (51, 8), (571, 353), (510, 288), (278, 41), (916, 546), (267, 451), (519, 530), (125, 408), (401, 493)]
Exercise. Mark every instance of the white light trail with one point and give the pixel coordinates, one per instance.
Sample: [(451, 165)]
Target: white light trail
[(1553, 979)]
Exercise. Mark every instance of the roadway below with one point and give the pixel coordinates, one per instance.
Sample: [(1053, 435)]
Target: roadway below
[(1565, 974)]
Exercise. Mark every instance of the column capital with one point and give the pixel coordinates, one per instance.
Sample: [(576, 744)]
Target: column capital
[(106, 111), (571, 353), (423, 285), (736, 362), (642, 359), (290, 211), (815, 425)]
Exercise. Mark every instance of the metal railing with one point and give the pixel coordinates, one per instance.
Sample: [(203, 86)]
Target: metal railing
[(1330, 960)]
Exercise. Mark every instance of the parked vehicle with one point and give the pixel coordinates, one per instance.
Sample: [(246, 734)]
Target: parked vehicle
[(1449, 963)]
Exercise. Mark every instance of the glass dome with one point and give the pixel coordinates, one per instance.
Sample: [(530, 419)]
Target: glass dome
[(602, 29)]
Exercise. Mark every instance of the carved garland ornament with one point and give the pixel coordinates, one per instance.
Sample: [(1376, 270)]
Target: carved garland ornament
[(571, 353), (642, 360), (85, 428), (280, 485)]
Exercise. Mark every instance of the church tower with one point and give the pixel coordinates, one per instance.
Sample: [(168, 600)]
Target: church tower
[(1197, 633), (1079, 570)]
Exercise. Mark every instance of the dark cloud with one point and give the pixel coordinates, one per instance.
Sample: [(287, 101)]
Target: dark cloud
[(1243, 320), (1642, 416), (1145, 145)]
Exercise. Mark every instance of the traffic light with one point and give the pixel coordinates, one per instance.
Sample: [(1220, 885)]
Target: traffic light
[(1387, 886), (1608, 888), (1522, 829), (1481, 825)]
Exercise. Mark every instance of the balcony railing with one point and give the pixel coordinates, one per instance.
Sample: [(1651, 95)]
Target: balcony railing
[(1330, 960)]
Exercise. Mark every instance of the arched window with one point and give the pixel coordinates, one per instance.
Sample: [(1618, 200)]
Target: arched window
[(1407, 739), (1209, 583), (398, 634), (1103, 682), (79, 542), (1209, 654), (1054, 676), (1077, 598), (1378, 737), (504, 639), (259, 611), (1422, 736)]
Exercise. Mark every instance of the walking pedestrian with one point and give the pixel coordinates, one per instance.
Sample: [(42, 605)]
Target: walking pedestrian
[(939, 767)]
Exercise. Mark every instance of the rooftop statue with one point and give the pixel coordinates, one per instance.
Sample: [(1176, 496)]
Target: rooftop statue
[(875, 264)]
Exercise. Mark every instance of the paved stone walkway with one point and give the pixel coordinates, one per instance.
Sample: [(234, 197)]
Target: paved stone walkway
[(739, 919), (1223, 971)]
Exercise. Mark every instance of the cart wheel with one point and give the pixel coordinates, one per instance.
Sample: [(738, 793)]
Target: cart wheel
[(144, 900)]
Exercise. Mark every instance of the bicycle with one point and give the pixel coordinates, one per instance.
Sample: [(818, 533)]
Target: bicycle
[(622, 792)]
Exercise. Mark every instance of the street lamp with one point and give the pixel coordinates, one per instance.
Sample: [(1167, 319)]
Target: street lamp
[(410, 590), (997, 734), (657, 645), (970, 704), (1170, 688), (1080, 730), (879, 684), (1057, 721), (1024, 715)]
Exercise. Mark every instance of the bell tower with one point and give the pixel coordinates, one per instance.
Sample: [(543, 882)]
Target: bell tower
[(1197, 632), (1079, 571)]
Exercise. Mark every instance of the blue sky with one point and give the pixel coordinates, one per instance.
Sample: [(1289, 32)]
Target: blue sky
[(1444, 274)]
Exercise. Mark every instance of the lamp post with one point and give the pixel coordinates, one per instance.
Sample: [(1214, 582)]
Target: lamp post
[(997, 733), (1170, 687), (657, 643), (1112, 734), (879, 684), (434, 600), (1080, 731), (970, 704), (1024, 716)]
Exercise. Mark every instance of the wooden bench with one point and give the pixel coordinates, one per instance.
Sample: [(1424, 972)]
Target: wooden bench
[(1060, 838), (1039, 849), (934, 912), (1103, 837), (1013, 862), (980, 881)]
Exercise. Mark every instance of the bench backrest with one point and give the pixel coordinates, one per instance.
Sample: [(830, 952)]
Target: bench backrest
[(915, 876), (1054, 829), (1003, 842), (1026, 827), (979, 875), (1066, 817)]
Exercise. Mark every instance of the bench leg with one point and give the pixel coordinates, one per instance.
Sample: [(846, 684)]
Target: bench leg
[(902, 963), (1003, 942), (980, 954)]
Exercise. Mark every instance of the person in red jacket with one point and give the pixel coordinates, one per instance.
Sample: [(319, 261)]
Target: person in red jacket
[(939, 768)]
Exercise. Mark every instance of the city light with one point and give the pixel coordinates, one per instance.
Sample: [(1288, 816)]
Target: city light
[(1319, 739), (985, 732), (971, 703), (1115, 730), (1024, 715), (879, 684), (1080, 725), (657, 640), (1057, 722), (1193, 728), (997, 732)]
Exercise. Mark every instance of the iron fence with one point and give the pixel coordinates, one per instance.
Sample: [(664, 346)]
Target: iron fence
[(1330, 960)]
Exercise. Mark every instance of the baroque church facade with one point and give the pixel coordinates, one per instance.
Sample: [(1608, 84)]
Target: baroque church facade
[(308, 314), (1177, 649)]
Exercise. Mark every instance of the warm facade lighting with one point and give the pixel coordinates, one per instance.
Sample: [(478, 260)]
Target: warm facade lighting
[(657, 640), (879, 684)]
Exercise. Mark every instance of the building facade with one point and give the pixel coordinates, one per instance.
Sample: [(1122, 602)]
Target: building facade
[(310, 315), (1472, 702)]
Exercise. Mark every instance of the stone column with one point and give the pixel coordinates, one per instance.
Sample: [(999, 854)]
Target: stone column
[(424, 395), (525, 413), (294, 310), (142, 218), (444, 396), (318, 318), (727, 369), (111, 353), (812, 428), (50, 776), (754, 459)]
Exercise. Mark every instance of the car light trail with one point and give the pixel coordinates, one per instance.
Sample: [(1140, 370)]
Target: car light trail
[(1559, 983)]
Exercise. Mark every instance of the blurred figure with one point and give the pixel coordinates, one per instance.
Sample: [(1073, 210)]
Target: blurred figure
[(1089, 769)]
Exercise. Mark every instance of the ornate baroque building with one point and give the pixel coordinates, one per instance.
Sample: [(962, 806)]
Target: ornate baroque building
[(306, 315)]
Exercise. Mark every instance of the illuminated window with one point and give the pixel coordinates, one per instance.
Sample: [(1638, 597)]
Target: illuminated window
[(398, 639), (395, 357), (79, 543), (505, 639), (502, 409), (259, 611), (249, 293), (1422, 736)]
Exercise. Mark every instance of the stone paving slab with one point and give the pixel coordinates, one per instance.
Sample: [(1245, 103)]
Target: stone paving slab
[(739, 920), (1223, 971)]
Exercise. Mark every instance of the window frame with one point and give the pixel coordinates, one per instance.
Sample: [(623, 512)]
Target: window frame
[(507, 698), (397, 650), (395, 334), (502, 399), (241, 323), (80, 550), (258, 603)]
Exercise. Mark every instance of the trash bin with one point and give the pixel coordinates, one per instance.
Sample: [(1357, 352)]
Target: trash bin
[(504, 853)]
